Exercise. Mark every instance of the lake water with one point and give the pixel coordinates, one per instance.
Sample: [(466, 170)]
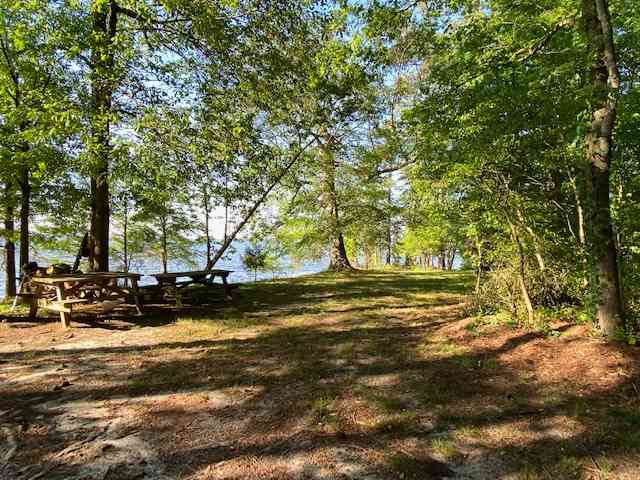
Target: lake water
[(233, 262)]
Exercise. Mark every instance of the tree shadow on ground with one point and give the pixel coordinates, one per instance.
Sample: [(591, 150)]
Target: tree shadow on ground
[(305, 391)]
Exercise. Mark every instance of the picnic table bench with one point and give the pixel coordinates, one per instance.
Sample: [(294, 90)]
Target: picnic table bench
[(97, 292), (170, 285)]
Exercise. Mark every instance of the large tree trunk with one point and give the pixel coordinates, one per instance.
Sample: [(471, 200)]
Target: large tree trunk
[(599, 148), (9, 247), (25, 212), (164, 254), (338, 259), (105, 19)]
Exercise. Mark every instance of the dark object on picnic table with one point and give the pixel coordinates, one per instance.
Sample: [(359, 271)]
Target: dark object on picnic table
[(32, 269), (58, 268)]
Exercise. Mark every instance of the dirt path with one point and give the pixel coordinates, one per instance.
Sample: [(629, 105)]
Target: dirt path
[(375, 376)]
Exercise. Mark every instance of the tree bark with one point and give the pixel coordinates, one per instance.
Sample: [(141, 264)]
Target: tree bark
[(522, 271), (534, 239), (105, 19), (25, 212), (582, 236), (9, 246), (164, 255), (479, 267), (389, 233), (125, 236), (599, 149), (338, 259), (452, 258), (207, 221)]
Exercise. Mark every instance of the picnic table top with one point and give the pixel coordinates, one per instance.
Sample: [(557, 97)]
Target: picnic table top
[(197, 273), (83, 277)]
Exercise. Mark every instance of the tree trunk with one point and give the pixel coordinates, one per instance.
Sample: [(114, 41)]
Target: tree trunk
[(105, 19), (125, 236), (534, 239), (338, 259), (389, 234), (442, 260), (582, 236), (25, 212), (452, 258), (207, 221), (599, 148), (9, 246), (522, 271), (164, 256), (479, 267)]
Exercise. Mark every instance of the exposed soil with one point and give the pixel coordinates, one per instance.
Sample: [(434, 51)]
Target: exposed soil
[(336, 376)]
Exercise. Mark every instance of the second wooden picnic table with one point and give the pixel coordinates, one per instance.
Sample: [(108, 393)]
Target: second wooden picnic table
[(64, 293), (168, 282)]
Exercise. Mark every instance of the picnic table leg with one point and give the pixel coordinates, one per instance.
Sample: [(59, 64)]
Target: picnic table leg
[(65, 317), (227, 289), (33, 305), (169, 287), (135, 293)]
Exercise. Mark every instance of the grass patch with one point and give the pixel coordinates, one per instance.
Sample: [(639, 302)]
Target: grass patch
[(443, 447), (203, 326), (398, 423)]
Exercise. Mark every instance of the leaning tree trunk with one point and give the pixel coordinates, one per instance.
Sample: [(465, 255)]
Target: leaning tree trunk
[(25, 212), (105, 19), (599, 148), (338, 259), (206, 204), (522, 279), (9, 247), (230, 237), (534, 240)]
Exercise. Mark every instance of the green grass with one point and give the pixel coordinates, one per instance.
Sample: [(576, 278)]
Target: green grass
[(366, 355)]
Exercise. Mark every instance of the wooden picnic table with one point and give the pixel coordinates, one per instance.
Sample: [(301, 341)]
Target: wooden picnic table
[(168, 282), (66, 293)]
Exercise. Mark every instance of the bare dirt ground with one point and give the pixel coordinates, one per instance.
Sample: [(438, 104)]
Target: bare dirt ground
[(376, 375)]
